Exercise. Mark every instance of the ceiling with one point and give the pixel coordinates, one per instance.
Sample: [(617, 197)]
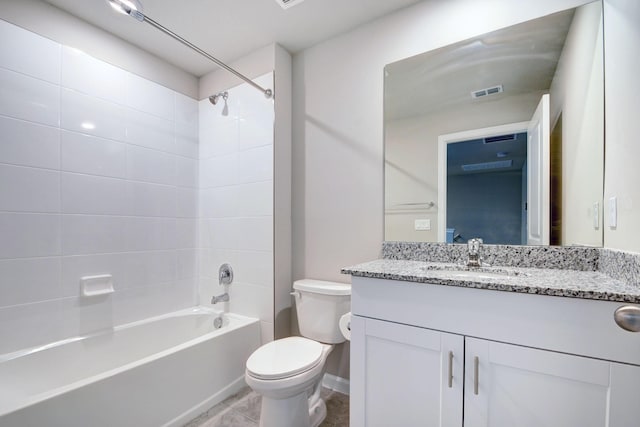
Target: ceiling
[(523, 58), (230, 29), (478, 151)]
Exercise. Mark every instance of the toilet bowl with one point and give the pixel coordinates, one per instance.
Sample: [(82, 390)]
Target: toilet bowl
[(288, 372)]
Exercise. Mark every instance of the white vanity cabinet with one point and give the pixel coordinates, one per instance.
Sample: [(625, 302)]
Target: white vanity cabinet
[(429, 355), (403, 375), (509, 385)]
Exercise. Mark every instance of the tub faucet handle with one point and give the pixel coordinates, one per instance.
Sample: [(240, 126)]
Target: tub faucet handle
[(225, 274)]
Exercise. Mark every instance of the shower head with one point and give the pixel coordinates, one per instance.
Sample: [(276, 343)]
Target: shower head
[(215, 98)]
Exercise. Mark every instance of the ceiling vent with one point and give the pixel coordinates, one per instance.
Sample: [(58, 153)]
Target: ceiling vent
[(501, 164), (286, 4), (500, 138), (486, 91)]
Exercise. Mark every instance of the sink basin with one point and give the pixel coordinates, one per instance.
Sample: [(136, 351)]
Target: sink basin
[(462, 271)]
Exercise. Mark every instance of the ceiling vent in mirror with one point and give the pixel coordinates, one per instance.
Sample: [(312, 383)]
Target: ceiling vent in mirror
[(500, 138), (488, 165), (486, 91), (286, 4)]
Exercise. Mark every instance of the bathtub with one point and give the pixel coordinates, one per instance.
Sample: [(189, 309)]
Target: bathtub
[(162, 371)]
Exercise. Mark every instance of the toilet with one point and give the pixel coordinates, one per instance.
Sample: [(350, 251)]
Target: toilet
[(288, 372)]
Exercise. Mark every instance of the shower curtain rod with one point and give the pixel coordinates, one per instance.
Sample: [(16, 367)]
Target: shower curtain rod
[(268, 93)]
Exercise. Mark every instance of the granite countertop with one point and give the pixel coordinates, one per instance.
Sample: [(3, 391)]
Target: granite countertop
[(542, 281)]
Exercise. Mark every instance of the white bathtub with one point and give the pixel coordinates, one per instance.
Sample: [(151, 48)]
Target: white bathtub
[(162, 371)]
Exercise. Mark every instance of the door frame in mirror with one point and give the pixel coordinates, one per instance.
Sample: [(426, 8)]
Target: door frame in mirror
[(452, 138)]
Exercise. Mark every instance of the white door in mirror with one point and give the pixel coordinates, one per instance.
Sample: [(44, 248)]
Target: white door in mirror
[(538, 218)]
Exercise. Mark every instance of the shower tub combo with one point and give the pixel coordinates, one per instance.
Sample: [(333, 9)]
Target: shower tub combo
[(162, 371)]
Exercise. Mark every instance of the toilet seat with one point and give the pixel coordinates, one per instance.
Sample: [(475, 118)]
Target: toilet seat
[(284, 358)]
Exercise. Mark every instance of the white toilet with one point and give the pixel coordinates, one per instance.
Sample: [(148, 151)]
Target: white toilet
[(288, 372)]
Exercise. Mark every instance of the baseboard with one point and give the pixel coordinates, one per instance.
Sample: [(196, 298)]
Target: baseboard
[(336, 383), (203, 406)]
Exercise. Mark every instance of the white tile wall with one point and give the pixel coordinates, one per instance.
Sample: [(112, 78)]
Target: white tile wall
[(102, 171), (29, 144), (27, 235), (27, 189), (149, 131), (93, 116), (15, 42), (28, 275), (98, 174), (154, 200), (96, 195), (93, 77), (25, 97), (93, 234), (236, 202), (148, 165), (92, 155)]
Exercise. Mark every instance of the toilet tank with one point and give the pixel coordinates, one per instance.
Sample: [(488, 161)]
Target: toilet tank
[(319, 306)]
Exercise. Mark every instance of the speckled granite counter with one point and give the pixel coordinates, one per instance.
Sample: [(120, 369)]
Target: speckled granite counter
[(542, 281)]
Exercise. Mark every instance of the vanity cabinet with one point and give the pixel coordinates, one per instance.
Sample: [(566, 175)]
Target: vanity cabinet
[(427, 355), (509, 385), (404, 375)]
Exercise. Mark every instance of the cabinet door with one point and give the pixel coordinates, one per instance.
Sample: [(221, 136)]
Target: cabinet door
[(513, 386), (400, 375)]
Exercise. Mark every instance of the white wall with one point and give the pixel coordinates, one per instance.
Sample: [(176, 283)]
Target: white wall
[(98, 175), (577, 92), (236, 201), (622, 174)]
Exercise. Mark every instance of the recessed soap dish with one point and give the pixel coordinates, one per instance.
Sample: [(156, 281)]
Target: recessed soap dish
[(93, 286)]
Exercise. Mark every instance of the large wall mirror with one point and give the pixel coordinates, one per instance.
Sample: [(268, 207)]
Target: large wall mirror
[(500, 137)]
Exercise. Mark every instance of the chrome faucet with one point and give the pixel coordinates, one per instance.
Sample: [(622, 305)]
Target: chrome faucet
[(220, 298), (475, 253)]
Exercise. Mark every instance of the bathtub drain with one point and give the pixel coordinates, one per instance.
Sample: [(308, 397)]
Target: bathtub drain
[(217, 322)]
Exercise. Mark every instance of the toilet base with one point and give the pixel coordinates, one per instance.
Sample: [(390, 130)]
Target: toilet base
[(317, 413), (300, 410), (292, 412)]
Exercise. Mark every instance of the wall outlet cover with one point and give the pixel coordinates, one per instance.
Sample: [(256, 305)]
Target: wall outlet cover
[(422, 224)]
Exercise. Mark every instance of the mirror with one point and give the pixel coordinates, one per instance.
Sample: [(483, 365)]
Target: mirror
[(500, 136)]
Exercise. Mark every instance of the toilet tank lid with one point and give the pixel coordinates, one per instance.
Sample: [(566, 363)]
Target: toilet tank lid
[(322, 287)]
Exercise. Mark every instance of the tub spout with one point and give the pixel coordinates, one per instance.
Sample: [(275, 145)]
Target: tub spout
[(220, 298)]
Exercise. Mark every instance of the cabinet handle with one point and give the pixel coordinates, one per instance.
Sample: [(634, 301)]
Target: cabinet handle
[(476, 364), (450, 369), (628, 318)]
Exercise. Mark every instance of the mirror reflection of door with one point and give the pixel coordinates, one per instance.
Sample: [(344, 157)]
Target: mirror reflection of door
[(497, 182), (486, 189)]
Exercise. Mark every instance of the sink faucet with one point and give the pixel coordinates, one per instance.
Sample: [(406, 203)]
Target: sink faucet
[(475, 256), (220, 298)]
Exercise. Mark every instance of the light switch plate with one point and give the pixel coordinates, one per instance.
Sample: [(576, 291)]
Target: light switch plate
[(596, 215), (613, 212), (422, 224)]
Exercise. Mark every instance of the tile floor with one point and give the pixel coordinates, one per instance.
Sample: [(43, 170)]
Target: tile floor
[(243, 410)]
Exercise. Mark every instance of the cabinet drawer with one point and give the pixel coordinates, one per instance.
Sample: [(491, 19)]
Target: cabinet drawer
[(568, 325)]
